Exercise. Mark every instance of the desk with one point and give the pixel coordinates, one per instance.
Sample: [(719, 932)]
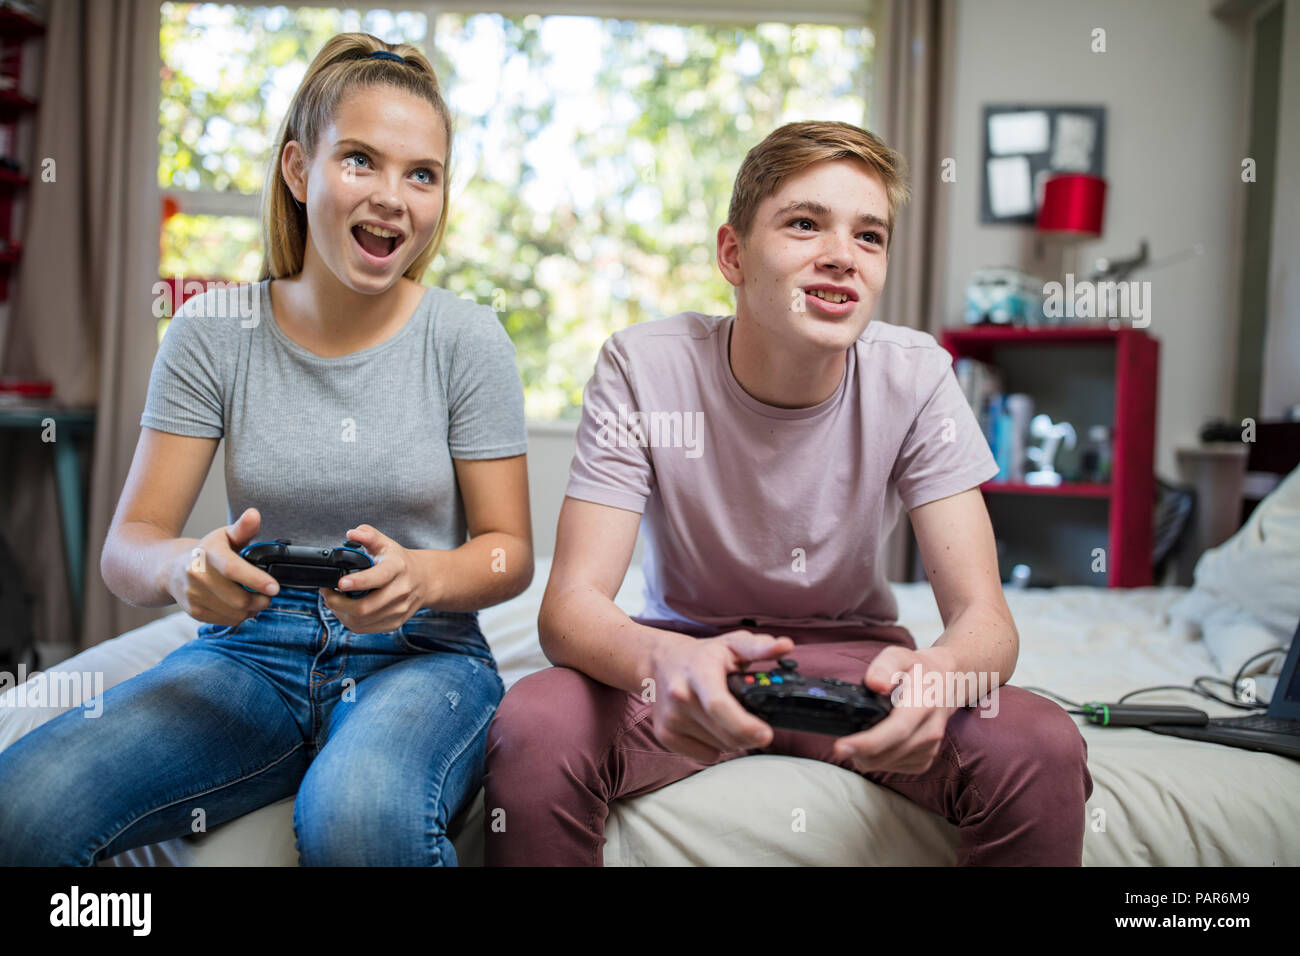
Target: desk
[(68, 422)]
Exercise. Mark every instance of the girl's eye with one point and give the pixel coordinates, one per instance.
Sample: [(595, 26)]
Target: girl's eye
[(433, 176)]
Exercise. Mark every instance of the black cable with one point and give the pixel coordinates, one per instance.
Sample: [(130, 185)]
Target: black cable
[(1040, 690), (1231, 703), (1195, 688), (1236, 678)]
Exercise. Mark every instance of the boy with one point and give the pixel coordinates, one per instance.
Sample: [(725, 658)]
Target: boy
[(768, 452)]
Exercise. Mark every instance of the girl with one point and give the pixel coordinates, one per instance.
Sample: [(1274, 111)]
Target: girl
[(356, 405)]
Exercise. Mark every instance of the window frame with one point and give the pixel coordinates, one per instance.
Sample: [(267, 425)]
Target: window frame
[(847, 13), (210, 202)]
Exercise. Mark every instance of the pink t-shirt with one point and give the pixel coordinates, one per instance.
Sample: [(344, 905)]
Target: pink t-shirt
[(756, 515)]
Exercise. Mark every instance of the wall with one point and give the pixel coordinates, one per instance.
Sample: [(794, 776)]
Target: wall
[(1281, 385), (1174, 82)]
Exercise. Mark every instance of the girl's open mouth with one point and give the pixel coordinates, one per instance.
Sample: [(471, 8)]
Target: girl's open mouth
[(374, 248)]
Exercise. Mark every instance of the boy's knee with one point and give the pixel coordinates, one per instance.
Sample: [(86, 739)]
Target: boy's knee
[(1052, 740), (538, 713), (1027, 727), (1053, 734), (555, 725)]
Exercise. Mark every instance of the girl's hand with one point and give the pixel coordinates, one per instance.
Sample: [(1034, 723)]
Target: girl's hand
[(205, 581), (397, 588)]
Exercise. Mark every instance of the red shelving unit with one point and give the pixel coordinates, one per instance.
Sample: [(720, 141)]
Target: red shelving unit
[(15, 29), (1131, 361), (1077, 489), (19, 25)]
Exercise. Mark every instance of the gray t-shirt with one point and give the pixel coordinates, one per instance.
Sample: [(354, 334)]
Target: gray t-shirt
[(319, 445)]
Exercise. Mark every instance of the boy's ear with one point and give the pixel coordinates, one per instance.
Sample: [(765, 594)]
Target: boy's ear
[(729, 248)]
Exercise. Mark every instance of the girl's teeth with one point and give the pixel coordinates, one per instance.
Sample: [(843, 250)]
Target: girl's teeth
[(379, 247)]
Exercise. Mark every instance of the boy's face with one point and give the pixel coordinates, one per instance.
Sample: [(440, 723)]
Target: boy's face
[(823, 229)]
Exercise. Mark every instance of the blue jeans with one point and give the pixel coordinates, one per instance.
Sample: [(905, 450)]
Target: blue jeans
[(381, 736)]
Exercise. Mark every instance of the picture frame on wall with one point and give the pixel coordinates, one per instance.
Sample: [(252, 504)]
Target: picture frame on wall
[(1024, 144)]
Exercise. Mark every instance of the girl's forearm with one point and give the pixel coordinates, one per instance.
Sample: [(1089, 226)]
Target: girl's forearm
[(483, 571), (137, 560)]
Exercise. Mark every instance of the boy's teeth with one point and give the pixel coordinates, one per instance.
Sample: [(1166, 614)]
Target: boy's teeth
[(829, 296)]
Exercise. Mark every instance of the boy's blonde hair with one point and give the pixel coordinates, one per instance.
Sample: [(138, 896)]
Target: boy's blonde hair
[(795, 146), (342, 66)]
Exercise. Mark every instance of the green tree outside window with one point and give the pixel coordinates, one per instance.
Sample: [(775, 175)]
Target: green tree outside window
[(592, 165)]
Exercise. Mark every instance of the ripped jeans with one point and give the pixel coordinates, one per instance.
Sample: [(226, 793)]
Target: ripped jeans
[(381, 736)]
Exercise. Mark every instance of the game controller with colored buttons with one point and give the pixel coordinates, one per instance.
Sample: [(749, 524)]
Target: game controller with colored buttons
[(300, 566), (820, 705)]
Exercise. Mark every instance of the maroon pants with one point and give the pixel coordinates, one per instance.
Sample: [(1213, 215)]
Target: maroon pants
[(563, 747)]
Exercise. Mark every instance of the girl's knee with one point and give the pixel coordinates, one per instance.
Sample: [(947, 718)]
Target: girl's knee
[(383, 828), (45, 814)]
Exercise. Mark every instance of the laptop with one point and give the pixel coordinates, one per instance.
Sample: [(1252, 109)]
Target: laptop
[(1277, 731)]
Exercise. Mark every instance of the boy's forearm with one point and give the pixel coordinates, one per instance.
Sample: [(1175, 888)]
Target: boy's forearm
[(484, 571), (582, 628), (136, 560), (982, 639)]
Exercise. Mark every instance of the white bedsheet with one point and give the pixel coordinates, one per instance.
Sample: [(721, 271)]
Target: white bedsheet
[(1156, 801)]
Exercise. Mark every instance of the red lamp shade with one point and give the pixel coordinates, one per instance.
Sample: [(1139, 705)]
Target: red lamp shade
[(1073, 203)]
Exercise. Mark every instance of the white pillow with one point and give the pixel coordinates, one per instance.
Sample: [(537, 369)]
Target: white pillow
[(1246, 597)]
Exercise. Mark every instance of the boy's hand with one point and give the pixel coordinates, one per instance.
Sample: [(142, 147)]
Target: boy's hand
[(695, 714), (395, 584), (908, 740)]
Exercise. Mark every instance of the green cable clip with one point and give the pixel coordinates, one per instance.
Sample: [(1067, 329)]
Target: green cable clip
[(1094, 709)]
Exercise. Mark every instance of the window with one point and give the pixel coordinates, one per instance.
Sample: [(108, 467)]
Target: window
[(592, 163), (227, 77)]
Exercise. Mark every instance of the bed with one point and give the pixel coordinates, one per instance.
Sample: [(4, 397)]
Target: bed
[(1157, 801)]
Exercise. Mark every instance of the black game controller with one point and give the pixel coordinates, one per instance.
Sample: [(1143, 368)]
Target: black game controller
[(820, 705), (300, 566)]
